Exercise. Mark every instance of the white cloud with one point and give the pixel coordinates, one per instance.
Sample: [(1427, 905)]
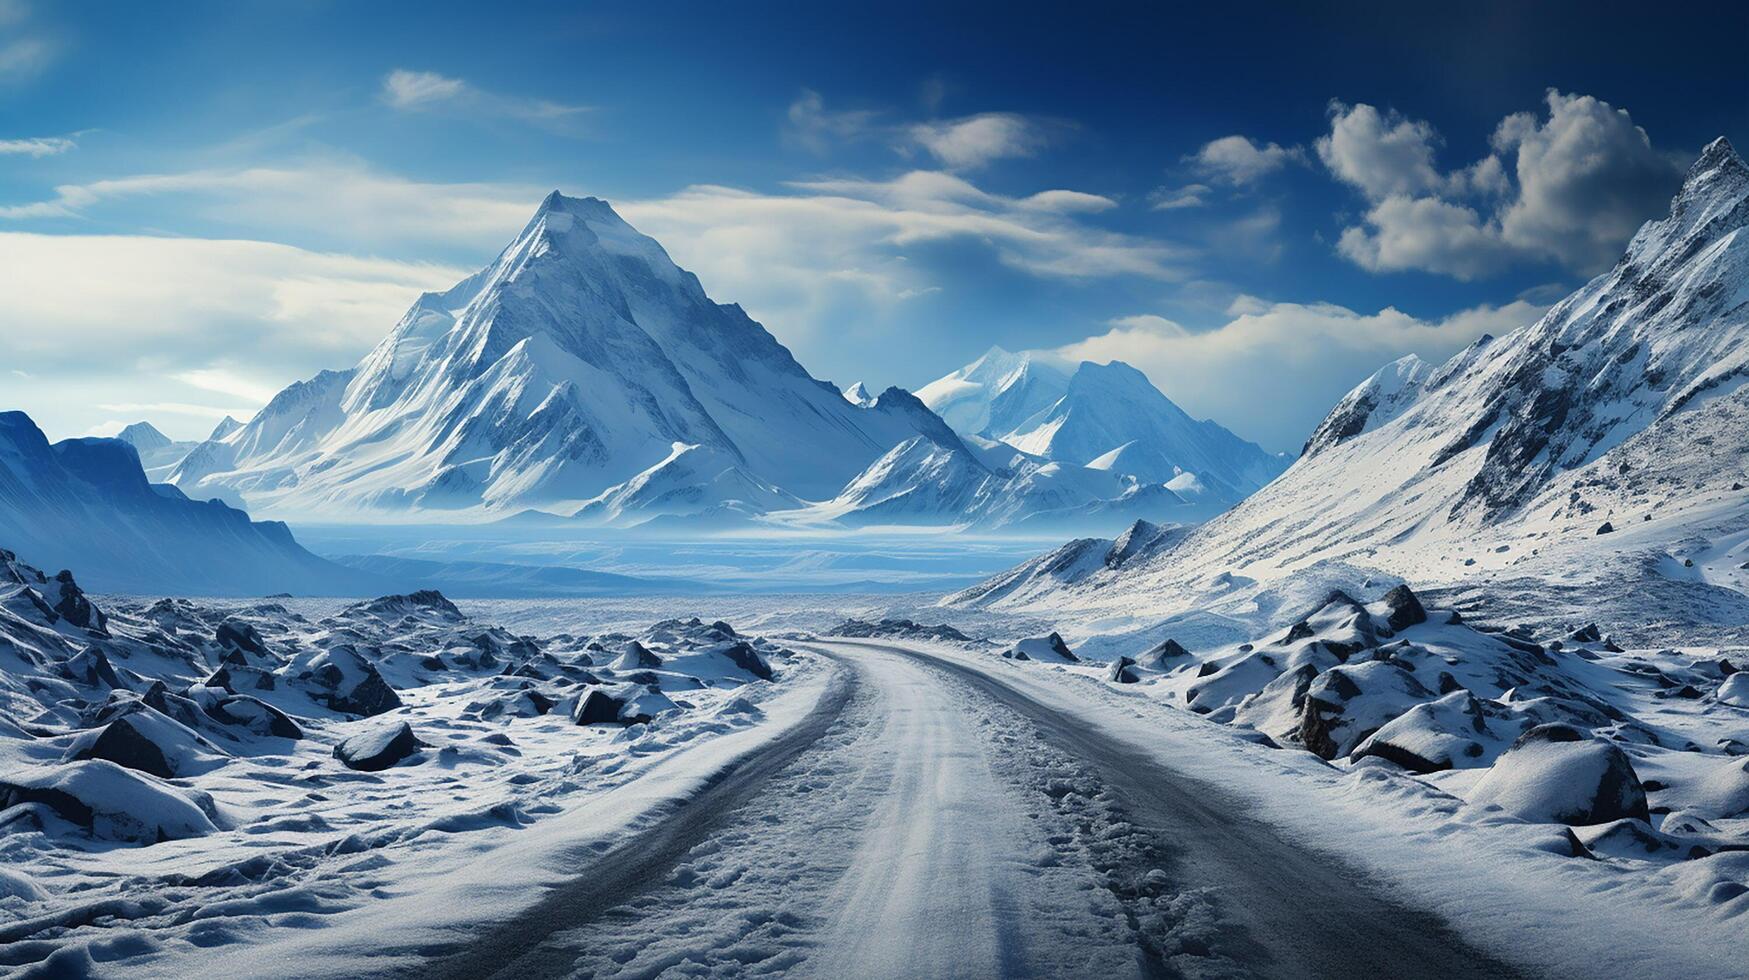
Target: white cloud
[(1587, 178), (229, 382), (1067, 202), (1380, 153), (1188, 196), (405, 89), (977, 140), (1425, 233), (196, 328), (1305, 356), (1238, 160), (179, 306), (425, 91), (41, 146), (336, 200), (1571, 190)]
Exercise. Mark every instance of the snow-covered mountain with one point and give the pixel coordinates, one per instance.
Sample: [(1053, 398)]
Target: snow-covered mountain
[(997, 393), (86, 503), (1104, 416), (1112, 417), (1606, 438), (577, 372)]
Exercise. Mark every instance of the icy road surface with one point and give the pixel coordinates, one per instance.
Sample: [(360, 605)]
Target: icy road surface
[(927, 820)]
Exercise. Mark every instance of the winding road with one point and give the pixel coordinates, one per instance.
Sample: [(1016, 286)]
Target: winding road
[(927, 820)]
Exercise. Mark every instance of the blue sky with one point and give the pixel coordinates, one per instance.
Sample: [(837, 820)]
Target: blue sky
[(1257, 206)]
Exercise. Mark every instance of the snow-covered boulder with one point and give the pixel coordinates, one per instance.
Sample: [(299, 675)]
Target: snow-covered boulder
[(249, 714), (625, 704), (1449, 733), (378, 748), (112, 802), (346, 682), (1165, 655), (741, 655), (1558, 774), (1402, 609), (1735, 690), (235, 634), (70, 604), (1723, 792), (523, 703), (1346, 704), (636, 656), (1050, 649), (147, 741), (1122, 671)]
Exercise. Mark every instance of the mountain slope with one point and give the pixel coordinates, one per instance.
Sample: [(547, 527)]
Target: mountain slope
[(86, 503), (1617, 406), (574, 363)]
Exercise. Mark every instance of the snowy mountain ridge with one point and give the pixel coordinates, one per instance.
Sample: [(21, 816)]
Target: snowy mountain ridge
[(1617, 412)]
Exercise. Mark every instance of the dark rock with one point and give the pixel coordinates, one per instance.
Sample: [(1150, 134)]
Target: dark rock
[(1160, 655), (71, 605), (1122, 671), (636, 656), (92, 668), (125, 745), (348, 683), (376, 750), (1606, 528), (254, 715), (239, 635), (1405, 608), (596, 707), (742, 655)]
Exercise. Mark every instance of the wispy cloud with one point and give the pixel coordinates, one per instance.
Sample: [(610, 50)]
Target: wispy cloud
[(826, 249), (184, 309), (425, 91), (346, 201), (42, 146), (25, 52), (960, 143)]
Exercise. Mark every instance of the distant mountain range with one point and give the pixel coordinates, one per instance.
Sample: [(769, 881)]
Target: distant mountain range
[(583, 374), (87, 504), (1609, 441)]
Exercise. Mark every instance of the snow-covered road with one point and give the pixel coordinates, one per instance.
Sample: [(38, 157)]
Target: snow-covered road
[(930, 821)]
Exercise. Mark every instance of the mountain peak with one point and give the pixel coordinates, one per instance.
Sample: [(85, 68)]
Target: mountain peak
[(1718, 153), (1717, 171), (143, 436)]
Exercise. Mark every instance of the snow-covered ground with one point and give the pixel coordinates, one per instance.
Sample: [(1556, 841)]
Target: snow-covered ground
[(174, 801), (929, 803)]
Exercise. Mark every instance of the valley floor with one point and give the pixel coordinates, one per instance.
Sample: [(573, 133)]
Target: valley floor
[(889, 807)]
